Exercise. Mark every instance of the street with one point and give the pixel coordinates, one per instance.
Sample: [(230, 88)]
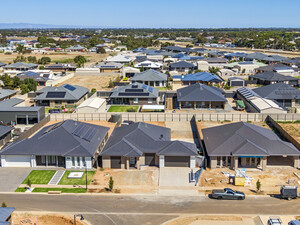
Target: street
[(146, 209)]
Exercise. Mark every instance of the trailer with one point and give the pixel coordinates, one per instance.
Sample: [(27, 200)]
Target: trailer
[(289, 192)]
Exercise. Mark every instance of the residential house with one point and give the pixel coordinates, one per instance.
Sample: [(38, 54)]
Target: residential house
[(199, 96), (138, 144), (236, 82), (119, 59), (69, 144), (66, 95), (257, 104), (129, 71), (61, 67), (283, 93), (76, 48), (92, 105), (149, 65), (206, 63), (244, 145), (14, 111), (109, 67), (265, 58), (20, 66), (134, 94), (7, 94), (120, 48), (266, 78), (182, 66), (151, 77), (201, 77), (277, 67), (40, 79)]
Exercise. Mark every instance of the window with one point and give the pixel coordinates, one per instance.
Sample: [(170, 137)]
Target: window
[(70, 102), (57, 102), (218, 160), (43, 159), (135, 100), (157, 83), (73, 161), (149, 100), (83, 161), (53, 158)]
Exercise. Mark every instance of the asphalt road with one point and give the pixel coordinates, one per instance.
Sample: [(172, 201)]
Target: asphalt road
[(140, 209)]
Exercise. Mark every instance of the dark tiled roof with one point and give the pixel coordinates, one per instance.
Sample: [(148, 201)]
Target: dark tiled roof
[(244, 139), (182, 64), (4, 130), (67, 138), (273, 76), (202, 76), (134, 90), (278, 91), (138, 138), (149, 75), (200, 93)]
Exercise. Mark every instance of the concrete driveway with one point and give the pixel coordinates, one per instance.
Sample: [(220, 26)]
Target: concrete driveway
[(11, 178), (174, 176)]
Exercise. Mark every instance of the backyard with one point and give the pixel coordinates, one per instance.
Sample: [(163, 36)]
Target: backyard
[(117, 108)]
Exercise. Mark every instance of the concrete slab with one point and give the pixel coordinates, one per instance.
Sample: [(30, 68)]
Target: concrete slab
[(11, 178), (174, 176), (181, 131)]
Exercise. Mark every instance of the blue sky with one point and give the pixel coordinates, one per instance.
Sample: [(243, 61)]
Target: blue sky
[(154, 13)]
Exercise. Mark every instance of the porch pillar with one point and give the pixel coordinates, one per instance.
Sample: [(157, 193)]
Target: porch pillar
[(209, 105), (236, 163), (127, 163), (264, 163), (46, 161)]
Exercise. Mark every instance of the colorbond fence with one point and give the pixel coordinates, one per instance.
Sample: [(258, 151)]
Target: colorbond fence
[(180, 117)]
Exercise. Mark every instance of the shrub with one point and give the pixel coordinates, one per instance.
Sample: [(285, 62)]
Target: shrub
[(258, 185), (111, 184), (3, 204)]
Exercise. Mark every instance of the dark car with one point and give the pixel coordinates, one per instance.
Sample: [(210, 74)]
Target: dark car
[(228, 193), (289, 192)]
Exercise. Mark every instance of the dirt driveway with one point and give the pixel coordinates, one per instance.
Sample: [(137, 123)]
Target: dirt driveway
[(181, 131)]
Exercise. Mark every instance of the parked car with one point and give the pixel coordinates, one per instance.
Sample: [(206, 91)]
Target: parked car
[(289, 192), (274, 221), (126, 122), (228, 193), (294, 222)]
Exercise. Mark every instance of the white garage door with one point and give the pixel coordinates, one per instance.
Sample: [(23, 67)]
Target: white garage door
[(17, 161)]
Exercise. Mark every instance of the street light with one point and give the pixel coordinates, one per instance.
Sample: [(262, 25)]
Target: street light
[(85, 175), (79, 215)]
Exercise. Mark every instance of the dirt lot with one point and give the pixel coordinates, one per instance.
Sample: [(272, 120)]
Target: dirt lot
[(270, 179), (47, 219), (99, 82), (92, 57), (293, 129)]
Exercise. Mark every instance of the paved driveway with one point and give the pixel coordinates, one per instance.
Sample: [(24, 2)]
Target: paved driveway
[(11, 178), (174, 176)]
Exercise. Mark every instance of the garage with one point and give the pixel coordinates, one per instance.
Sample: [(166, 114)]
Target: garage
[(177, 161), (236, 82), (150, 159), (280, 161), (115, 162), (17, 161)]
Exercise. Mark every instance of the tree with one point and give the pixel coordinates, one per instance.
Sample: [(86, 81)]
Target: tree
[(20, 48), (7, 80), (24, 89), (28, 182), (44, 60), (93, 90), (111, 184), (244, 70), (31, 83), (214, 70), (4, 205), (258, 185), (101, 50), (16, 82), (32, 59), (80, 60), (20, 58)]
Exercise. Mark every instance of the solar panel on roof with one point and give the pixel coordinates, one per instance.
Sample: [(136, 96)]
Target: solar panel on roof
[(57, 94), (150, 89), (144, 86), (134, 86), (69, 87), (134, 94), (134, 90), (79, 130), (90, 134)]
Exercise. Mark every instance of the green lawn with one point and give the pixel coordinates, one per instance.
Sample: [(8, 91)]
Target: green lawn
[(40, 176), (162, 88), (78, 181), (121, 108), (63, 190)]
